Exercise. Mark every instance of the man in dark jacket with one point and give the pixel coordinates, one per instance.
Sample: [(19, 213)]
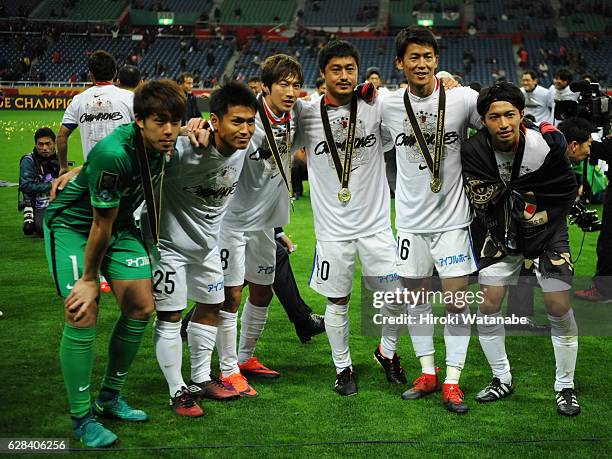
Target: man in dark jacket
[(37, 170), (185, 81), (519, 181)]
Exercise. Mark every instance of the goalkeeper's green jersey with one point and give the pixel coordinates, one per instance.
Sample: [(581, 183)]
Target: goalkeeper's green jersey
[(109, 178)]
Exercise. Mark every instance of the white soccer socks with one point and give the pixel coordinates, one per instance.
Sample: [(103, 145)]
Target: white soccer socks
[(227, 331), (252, 323), (391, 332), (421, 331), (201, 340), (564, 333), (492, 338), (337, 328), (456, 338), (168, 347)]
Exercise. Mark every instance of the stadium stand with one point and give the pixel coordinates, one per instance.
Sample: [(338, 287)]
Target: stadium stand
[(499, 16), (22, 8), (402, 13), (340, 13), (585, 54), (488, 55), (167, 52), (81, 10), (74, 50), (261, 12), (587, 16)]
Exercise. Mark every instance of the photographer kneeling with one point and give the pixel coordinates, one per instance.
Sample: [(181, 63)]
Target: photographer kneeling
[(519, 181), (37, 171)]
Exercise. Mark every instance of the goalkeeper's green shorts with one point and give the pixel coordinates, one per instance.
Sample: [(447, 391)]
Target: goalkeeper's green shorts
[(126, 257)]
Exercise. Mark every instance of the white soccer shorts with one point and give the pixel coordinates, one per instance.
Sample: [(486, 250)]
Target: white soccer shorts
[(450, 252), (177, 279), (333, 268), (508, 270), (249, 255)]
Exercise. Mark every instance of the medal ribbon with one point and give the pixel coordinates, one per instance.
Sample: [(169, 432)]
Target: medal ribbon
[(433, 164), (274, 147), (343, 171), (153, 213)]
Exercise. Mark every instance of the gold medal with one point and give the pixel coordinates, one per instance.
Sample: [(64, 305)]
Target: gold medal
[(344, 195), (435, 185)]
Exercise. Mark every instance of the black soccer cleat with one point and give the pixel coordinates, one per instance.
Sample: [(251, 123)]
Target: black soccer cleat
[(567, 403), (314, 325), (393, 370), (345, 383), (496, 390)]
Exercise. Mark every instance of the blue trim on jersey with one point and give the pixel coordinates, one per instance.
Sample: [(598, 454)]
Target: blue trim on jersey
[(472, 249), (314, 262), (71, 126)]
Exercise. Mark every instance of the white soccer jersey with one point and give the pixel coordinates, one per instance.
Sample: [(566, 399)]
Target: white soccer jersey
[(97, 111), (197, 187), (417, 208), (368, 211), (262, 199), (536, 150), (537, 104)]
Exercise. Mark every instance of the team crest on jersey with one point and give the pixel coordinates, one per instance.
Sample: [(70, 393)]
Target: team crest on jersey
[(427, 122), (363, 142), (108, 181), (216, 187)]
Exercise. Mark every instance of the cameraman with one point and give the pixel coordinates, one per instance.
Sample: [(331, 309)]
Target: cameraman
[(601, 289), (36, 172)]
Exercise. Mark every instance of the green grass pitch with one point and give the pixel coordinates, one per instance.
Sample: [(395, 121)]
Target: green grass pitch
[(300, 415)]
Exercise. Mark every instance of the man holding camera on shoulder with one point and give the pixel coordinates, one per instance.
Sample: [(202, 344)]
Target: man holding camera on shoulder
[(36, 173), (519, 181)]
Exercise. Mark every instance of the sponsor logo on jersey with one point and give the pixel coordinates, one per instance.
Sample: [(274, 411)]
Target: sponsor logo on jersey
[(216, 287), (454, 259), (83, 388), (265, 269), (137, 262), (108, 180)]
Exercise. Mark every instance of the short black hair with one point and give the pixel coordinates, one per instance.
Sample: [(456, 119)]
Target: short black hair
[(577, 129), (475, 85), (164, 98), (501, 91), (44, 132), (129, 76), (564, 74), (319, 82), (531, 73), (183, 76), (373, 70), (417, 35), (102, 65), (231, 93), (337, 48), (280, 66), (254, 79)]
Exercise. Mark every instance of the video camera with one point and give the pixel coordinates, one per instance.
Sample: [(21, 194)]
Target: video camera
[(592, 105), (587, 220)]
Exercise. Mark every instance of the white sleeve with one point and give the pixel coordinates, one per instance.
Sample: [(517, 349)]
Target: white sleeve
[(470, 101), (71, 117)]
